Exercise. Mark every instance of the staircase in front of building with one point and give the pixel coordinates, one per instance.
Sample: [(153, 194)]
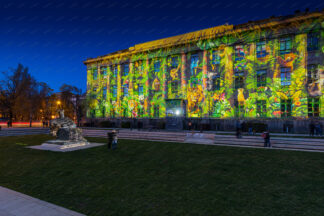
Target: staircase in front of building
[(139, 135), (277, 142)]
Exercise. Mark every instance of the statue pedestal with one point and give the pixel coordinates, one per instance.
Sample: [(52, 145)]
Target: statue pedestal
[(51, 145)]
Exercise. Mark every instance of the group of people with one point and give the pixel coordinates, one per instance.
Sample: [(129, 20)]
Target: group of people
[(315, 129), (265, 135)]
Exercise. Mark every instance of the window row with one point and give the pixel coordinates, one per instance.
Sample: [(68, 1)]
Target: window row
[(313, 108)]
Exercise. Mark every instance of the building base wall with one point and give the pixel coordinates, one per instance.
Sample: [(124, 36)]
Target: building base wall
[(207, 124)]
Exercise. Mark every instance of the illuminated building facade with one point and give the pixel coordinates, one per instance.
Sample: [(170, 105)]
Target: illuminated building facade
[(264, 70)]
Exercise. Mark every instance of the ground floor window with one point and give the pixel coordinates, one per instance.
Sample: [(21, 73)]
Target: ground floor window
[(261, 108), (174, 87), (313, 107), (285, 108), (140, 112), (239, 108), (156, 111)]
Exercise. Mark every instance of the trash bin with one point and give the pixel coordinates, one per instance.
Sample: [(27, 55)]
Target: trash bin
[(112, 139)]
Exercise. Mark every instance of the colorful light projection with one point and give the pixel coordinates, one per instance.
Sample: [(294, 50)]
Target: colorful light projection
[(243, 74)]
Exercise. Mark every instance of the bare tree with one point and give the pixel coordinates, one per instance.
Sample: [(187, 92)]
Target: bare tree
[(71, 102)]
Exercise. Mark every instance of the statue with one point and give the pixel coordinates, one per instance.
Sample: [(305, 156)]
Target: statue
[(65, 131)]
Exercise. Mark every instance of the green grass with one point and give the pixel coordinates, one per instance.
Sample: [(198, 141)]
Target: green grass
[(155, 178)]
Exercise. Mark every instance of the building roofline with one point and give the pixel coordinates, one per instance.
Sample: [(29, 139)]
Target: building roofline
[(207, 33)]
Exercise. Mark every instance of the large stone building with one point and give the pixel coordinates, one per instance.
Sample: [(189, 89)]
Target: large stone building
[(269, 71)]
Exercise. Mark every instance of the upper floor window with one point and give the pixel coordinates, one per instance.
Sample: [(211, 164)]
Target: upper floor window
[(239, 79), (194, 61), (313, 107), (313, 41), (285, 76), (216, 82), (261, 78), (239, 52), (285, 45), (114, 91), (174, 62), (104, 92), (95, 74), (126, 69), (156, 66), (103, 71), (285, 107), (312, 73), (261, 49), (215, 57), (140, 90), (125, 90), (115, 71)]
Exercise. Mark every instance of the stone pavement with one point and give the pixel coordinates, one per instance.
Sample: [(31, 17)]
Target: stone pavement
[(13, 203)]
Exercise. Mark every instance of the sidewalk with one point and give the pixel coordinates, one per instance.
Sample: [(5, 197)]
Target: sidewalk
[(13, 203)]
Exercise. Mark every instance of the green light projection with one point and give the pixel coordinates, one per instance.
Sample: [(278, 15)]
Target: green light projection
[(250, 74)]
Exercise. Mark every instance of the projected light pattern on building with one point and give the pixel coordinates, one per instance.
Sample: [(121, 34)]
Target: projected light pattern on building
[(265, 69)]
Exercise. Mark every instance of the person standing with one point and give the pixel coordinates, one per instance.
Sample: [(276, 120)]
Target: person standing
[(266, 137), (311, 129)]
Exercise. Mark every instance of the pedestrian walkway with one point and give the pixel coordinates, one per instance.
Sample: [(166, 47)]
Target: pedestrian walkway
[(23, 131), (13, 203)]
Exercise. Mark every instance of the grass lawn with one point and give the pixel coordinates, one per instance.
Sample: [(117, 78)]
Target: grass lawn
[(155, 178)]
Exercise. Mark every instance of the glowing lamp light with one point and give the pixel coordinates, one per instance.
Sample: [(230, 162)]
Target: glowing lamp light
[(58, 102), (177, 112)]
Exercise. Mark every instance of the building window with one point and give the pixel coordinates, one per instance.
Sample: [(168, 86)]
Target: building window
[(261, 108), (216, 82), (239, 108), (261, 49), (239, 79), (313, 41), (313, 107), (126, 69), (194, 64), (125, 112), (115, 71), (285, 76), (103, 71), (140, 112), (239, 52), (215, 57), (114, 91), (157, 67), (285, 45), (174, 62), (175, 87), (312, 73), (95, 74), (125, 90), (104, 93), (194, 82), (261, 78), (140, 90), (156, 111), (285, 108)]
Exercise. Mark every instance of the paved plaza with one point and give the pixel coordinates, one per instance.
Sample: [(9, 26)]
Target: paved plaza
[(13, 203)]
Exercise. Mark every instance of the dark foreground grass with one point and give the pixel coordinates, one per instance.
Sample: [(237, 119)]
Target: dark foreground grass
[(154, 178)]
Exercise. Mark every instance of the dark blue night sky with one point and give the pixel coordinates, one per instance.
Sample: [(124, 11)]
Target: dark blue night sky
[(52, 38)]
